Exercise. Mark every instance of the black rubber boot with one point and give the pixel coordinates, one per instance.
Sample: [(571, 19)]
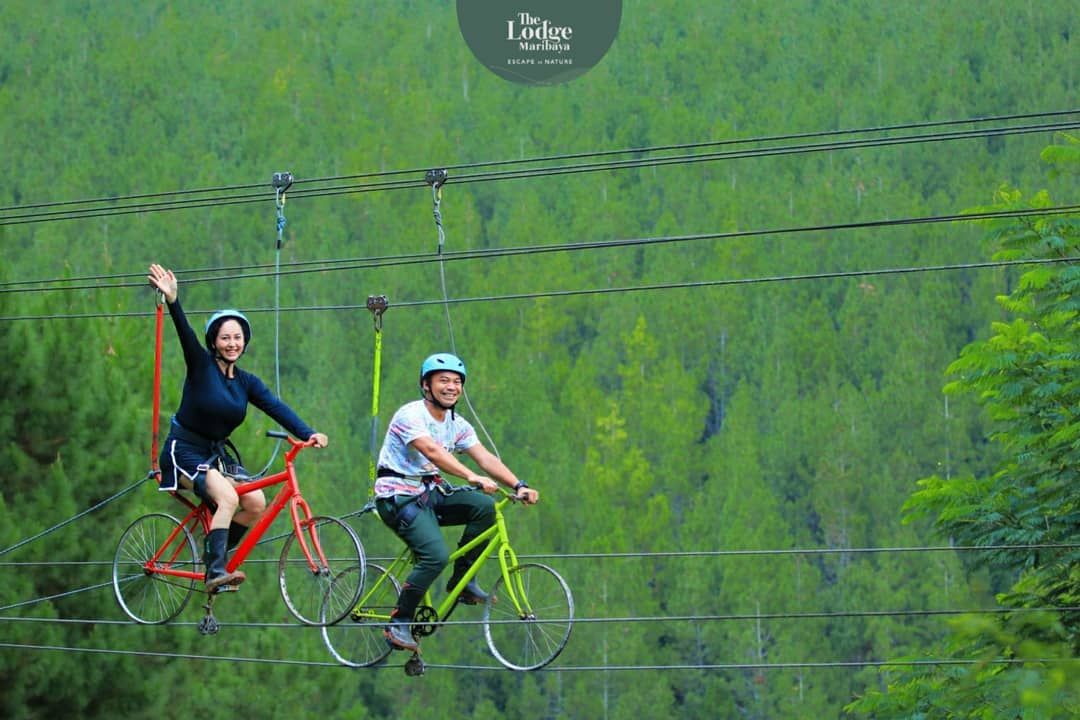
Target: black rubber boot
[(214, 559), (236, 534)]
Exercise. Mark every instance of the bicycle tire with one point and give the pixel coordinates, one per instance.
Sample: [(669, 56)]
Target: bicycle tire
[(147, 597), (313, 597), (531, 641), (358, 641)]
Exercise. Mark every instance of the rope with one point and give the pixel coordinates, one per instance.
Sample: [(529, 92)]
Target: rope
[(578, 620), (632, 555), (377, 304), (799, 551), (627, 555), (848, 664), (281, 183), (72, 519), (571, 156), (181, 656), (279, 203), (856, 664), (711, 143), (437, 178), (345, 264), (604, 291), (540, 172), (57, 596)]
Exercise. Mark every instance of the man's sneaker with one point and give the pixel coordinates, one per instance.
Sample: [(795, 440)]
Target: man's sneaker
[(471, 594), (399, 635)]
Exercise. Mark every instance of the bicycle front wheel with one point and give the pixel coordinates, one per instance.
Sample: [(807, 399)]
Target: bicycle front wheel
[(529, 638), (310, 586), (145, 595), (358, 640)]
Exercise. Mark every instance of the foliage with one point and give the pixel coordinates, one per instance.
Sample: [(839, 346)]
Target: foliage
[(778, 394), (1025, 514)]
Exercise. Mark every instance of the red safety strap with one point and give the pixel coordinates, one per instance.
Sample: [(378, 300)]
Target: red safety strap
[(154, 470)]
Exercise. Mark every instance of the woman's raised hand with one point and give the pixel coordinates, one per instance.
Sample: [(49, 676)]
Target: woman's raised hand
[(164, 281)]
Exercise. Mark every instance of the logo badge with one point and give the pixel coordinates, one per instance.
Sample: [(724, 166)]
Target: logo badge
[(539, 42)]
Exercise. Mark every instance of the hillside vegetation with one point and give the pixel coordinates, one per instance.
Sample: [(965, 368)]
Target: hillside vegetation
[(725, 422)]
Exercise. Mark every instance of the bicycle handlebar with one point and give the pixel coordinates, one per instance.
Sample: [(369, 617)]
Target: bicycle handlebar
[(292, 441)]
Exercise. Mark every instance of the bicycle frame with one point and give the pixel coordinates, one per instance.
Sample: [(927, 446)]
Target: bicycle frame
[(526, 622), (495, 538), (200, 516)]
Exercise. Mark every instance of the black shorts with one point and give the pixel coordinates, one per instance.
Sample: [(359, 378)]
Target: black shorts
[(182, 459)]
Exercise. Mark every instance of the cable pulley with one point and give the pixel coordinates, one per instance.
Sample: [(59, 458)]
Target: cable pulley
[(377, 304), (281, 181), (436, 179)]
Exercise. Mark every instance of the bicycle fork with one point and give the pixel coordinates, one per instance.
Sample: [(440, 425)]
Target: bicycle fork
[(515, 587)]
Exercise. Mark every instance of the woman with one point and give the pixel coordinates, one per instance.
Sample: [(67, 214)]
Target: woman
[(214, 403)]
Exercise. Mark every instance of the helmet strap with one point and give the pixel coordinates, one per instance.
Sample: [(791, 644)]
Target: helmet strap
[(430, 397), (218, 357)]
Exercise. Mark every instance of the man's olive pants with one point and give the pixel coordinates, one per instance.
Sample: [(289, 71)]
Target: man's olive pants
[(417, 520)]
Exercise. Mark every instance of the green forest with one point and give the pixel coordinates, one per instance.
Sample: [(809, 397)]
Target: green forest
[(776, 306)]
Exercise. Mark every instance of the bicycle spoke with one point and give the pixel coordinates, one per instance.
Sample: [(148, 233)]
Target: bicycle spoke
[(534, 637), (358, 641), (153, 598), (313, 594)]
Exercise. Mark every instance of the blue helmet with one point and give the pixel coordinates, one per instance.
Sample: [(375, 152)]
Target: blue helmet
[(442, 361), (219, 317)]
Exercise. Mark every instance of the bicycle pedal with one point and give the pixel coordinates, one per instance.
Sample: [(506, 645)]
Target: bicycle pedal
[(209, 625), (414, 666)]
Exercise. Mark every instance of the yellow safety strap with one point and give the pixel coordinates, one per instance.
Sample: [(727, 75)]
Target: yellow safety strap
[(377, 304)]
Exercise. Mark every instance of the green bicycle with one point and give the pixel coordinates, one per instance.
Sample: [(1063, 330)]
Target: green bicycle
[(527, 618)]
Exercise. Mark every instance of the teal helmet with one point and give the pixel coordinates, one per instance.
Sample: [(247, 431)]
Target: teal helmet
[(442, 361), (213, 325)]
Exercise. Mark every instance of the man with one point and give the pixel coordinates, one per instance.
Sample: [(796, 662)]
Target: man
[(413, 500)]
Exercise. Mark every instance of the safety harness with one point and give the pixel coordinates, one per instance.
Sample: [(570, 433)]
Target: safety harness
[(398, 511), (218, 452)]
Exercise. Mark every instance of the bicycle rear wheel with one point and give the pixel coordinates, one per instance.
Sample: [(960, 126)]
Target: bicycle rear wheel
[(358, 640), (532, 638), (311, 594), (147, 596)]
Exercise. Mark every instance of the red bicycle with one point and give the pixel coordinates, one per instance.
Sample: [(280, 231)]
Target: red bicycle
[(157, 564)]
